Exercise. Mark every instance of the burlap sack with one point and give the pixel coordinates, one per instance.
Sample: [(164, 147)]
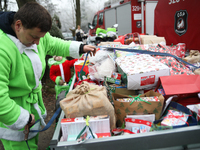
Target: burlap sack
[(197, 71), (88, 99), (194, 57)]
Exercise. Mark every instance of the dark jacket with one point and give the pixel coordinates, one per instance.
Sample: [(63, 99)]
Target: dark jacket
[(6, 21)]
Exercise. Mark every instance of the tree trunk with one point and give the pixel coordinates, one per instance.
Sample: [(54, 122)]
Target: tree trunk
[(20, 3), (4, 7), (78, 13), (1, 5)]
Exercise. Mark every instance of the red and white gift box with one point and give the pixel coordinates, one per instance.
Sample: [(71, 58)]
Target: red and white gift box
[(174, 118), (131, 122), (142, 71)]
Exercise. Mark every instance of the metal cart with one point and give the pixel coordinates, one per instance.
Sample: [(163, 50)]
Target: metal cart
[(174, 139)]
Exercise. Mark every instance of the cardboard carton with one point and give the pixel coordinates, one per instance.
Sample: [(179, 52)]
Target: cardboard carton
[(122, 109), (151, 39)]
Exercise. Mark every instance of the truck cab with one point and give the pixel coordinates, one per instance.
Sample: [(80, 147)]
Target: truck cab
[(98, 22), (99, 17)]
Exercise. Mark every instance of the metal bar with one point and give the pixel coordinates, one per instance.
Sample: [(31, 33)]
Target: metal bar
[(151, 140), (142, 13)]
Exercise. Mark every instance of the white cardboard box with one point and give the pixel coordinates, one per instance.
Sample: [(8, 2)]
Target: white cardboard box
[(73, 126), (142, 71)]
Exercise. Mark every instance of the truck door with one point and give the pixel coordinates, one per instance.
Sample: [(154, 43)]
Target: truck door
[(150, 7), (120, 15), (98, 22), (101, 20), (92, 32), (110, 17), (124, 19)]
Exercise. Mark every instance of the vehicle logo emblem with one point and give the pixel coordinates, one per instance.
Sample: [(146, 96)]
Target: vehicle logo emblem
[(180, 24)]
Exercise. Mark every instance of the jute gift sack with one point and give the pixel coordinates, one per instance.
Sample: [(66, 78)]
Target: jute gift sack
[(88, 99)]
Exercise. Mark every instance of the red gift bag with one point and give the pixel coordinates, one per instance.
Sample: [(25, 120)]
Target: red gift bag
[(77, 67), (184, 88)]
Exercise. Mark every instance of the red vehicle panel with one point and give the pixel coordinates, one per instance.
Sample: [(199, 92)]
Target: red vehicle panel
[(177, 21)]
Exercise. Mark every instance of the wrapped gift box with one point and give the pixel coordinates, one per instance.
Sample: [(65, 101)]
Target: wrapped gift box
[(113, 80), (143, 125), (152, 39), (71, 127), (174, 118), (195, 108), (141, 71)]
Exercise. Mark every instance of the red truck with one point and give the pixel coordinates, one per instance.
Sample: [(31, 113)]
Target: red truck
[(176, 20), (130, 15)]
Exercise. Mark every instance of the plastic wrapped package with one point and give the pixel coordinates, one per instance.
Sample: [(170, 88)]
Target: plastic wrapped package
[(100, 56), (99, 70)]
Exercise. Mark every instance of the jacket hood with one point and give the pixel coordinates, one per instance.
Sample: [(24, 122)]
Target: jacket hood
[(51, 62), (6, 21)]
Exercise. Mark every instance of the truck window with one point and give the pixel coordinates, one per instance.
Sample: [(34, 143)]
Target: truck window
[(94, 23), (101, 18)]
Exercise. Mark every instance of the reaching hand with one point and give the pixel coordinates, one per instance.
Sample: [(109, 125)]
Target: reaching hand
[(32, 121), (90, 48), (61, 82)]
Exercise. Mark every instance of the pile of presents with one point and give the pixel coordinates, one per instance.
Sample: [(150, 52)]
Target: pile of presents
[(120, 91)]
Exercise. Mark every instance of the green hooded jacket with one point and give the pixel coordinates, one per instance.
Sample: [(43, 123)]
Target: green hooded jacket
[(22, 69)]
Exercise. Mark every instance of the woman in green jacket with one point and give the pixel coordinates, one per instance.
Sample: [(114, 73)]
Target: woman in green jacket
[(25, 42)]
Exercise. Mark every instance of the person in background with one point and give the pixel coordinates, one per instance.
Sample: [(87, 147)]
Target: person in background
[(79, 33), (25, 42), (60, 72), (73, 32)]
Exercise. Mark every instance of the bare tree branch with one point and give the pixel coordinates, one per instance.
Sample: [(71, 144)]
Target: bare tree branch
[(4, 6), (78, 13)]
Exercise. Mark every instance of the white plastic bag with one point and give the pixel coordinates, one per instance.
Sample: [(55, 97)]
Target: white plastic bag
[(100, 56), (99, 70)]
